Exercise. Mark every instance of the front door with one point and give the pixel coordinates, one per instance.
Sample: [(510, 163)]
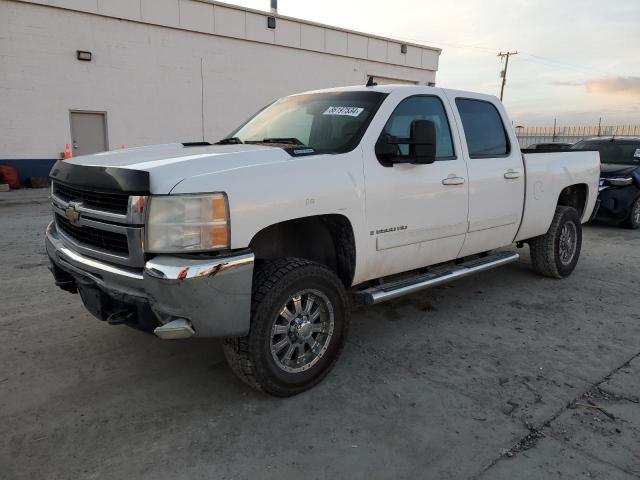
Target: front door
[(416, 214), (88, 133), (496, 176)]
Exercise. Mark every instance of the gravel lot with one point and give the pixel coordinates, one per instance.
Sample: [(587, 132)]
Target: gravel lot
[(505, 375)]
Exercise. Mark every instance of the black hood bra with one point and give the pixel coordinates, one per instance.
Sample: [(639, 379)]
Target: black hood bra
[(99, 178)]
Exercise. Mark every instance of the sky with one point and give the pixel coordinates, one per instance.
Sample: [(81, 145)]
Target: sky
[(578, 60)]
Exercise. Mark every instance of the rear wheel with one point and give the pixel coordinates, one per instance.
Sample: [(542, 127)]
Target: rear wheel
[(556, 253), (299, 319), (633, 221)]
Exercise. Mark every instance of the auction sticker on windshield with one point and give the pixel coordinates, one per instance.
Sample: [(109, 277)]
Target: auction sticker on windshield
[(347, 111), (637, 154)]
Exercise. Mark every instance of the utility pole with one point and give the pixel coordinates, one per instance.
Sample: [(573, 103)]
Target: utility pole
[(599, 126), (503, 73)]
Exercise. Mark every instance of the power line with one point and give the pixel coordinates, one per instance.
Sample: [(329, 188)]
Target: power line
[(547, 61), (557, 64), (563, 63), (533, 57)]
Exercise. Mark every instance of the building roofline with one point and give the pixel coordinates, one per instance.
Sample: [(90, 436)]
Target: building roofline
[(321, 25), (416, 57)]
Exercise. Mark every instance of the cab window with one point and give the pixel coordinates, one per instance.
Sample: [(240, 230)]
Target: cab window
[(421, 108), (483, 128)]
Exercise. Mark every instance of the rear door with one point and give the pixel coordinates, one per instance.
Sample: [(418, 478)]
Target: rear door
[(496, 174)]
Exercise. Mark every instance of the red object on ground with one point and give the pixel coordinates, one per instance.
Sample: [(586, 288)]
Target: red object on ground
[(9, 175)]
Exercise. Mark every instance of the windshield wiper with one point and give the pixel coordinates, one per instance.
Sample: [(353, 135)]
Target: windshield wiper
[(284, 140), (229, 141)]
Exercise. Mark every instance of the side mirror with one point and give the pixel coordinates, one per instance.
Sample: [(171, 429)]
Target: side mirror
[(422, 150), (421, 143)]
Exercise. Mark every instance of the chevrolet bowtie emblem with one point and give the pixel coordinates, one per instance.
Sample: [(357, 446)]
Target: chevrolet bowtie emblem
[(72, 213)]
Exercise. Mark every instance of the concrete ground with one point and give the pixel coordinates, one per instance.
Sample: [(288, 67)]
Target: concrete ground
[(502, 376)]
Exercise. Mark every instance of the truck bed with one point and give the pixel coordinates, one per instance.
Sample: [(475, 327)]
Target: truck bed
[(547, 175)]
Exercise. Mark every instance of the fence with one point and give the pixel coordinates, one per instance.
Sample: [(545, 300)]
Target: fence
[(530, 135)]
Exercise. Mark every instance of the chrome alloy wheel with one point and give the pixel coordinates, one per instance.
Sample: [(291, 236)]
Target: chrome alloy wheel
[(568, 242), (302, 331), (635, 214)]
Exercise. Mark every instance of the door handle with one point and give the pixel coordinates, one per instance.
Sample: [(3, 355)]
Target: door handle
[(453, 180), (512, 174)]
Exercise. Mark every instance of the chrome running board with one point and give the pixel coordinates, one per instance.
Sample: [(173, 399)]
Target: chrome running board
[(391, 290)]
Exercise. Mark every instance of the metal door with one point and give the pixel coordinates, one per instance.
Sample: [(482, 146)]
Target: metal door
[(496, 173), (88, 132), (416, 214)]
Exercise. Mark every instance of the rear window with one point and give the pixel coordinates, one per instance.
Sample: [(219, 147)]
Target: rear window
[(623, 152), (483, 128)]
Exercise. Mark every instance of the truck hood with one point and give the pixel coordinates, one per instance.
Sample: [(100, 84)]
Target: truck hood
[(171, 163)]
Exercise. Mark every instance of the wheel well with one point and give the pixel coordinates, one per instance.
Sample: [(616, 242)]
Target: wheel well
[(326, 239), (574, 196)]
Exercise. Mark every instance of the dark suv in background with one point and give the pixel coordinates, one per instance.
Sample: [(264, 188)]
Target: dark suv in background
[(619, 178), (550, 146)]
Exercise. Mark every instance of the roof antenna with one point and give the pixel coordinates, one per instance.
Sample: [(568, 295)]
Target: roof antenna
[(370, 82)]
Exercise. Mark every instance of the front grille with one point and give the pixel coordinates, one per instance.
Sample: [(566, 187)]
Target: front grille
[(92, 237), (111, 202)]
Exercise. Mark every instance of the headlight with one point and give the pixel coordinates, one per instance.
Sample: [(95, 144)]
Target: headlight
[(619, 181), (187, 223)]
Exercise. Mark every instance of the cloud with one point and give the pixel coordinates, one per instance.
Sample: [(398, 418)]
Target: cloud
[(567, 83), (626, 86)]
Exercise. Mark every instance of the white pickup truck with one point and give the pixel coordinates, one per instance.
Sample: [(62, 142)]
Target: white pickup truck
[(324, 198)]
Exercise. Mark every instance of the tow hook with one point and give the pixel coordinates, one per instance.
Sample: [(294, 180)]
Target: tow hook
[(175, 329)]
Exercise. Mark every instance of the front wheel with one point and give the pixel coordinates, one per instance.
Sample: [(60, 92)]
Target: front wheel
[(555, 254), (633, 221), (299, 319)]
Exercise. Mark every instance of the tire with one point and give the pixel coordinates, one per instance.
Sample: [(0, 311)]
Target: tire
[(633, 222), (260, 359), (555, 254)]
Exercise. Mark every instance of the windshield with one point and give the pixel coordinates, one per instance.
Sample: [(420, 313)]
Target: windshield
[(320, 122), (618, 151)]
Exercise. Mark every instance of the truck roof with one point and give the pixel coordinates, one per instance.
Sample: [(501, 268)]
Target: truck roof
[(396, 87)]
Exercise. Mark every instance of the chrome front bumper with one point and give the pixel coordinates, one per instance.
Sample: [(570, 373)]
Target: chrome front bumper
[(213, 295)]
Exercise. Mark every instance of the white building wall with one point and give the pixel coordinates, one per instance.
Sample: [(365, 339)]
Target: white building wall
[(208, 72)]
